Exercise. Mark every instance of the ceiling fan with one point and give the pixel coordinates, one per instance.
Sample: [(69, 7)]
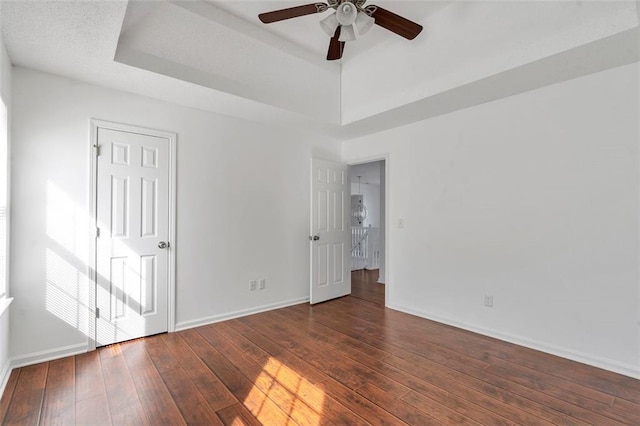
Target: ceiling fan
[(348, 22)]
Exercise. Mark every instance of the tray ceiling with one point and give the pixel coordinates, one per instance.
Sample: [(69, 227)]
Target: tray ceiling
[(217, 56)]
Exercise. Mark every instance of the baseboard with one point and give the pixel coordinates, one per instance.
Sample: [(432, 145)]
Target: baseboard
[(584, 358), (48, 355), (237, 314)]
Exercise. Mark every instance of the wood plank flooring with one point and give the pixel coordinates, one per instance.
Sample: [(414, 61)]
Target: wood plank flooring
[(349, 361), (365, 286)]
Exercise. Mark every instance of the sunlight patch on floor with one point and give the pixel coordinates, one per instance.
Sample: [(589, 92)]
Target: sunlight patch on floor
[(280, 385)]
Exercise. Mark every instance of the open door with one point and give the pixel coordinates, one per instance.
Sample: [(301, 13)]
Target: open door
[(330, 237)]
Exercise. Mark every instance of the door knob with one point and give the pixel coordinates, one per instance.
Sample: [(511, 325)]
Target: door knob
[(314, 238), (163, 245)]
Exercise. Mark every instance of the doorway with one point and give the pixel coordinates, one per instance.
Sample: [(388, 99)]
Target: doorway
[(368, 230)]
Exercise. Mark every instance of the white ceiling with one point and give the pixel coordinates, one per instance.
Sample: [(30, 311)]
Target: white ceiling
[(217, 56)]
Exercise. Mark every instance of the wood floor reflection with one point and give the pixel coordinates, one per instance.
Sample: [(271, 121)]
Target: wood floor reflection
[(365, 286)]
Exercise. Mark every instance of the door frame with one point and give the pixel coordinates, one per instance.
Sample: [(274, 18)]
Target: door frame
[(387, 217), (94, 125)]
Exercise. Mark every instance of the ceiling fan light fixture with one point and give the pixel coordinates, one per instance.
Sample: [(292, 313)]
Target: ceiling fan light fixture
[(346, 13), (350, 21), (330, 24), (363, 23), (348, 33)]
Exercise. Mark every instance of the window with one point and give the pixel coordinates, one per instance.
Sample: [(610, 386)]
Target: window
[(4, 158)]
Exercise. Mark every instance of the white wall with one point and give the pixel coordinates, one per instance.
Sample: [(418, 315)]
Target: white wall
[(532, 199), (242, 196), (5, 93)]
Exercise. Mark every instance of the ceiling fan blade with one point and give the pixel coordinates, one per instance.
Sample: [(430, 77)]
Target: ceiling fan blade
[(292, 12), (336, 47), (394, 23)]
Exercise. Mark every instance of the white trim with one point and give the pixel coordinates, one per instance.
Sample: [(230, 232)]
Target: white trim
[(48, 355), (91, 272), (173, 201), (584, 358), (7, 217), (4, 378), (237, 314), (94, 124)]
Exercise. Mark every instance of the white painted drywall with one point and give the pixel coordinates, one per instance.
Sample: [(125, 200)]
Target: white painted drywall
[(6, 94), (464, 42), (242, 196), (175, 39), (532, 199)]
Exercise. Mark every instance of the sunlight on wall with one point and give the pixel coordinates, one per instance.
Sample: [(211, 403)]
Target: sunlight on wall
[(295, 395), (67, 223), (69, 287), (67, 293)]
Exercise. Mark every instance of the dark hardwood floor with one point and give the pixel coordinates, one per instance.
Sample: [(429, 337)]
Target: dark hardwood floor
[(349, 361), (365, 286)]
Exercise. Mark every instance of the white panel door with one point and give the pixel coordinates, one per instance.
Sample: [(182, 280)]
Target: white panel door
[(132, 215), (330, 232)]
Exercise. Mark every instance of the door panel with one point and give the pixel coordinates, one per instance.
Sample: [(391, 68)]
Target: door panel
[(149, 207), (132, 216), (330, 199)]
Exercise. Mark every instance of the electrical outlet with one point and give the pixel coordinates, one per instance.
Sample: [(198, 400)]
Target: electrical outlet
[(488, 301), (262, 283), (253, 284)]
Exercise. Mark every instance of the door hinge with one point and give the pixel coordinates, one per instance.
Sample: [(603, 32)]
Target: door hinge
[(97, 149), (97, 312), (97, 232)]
